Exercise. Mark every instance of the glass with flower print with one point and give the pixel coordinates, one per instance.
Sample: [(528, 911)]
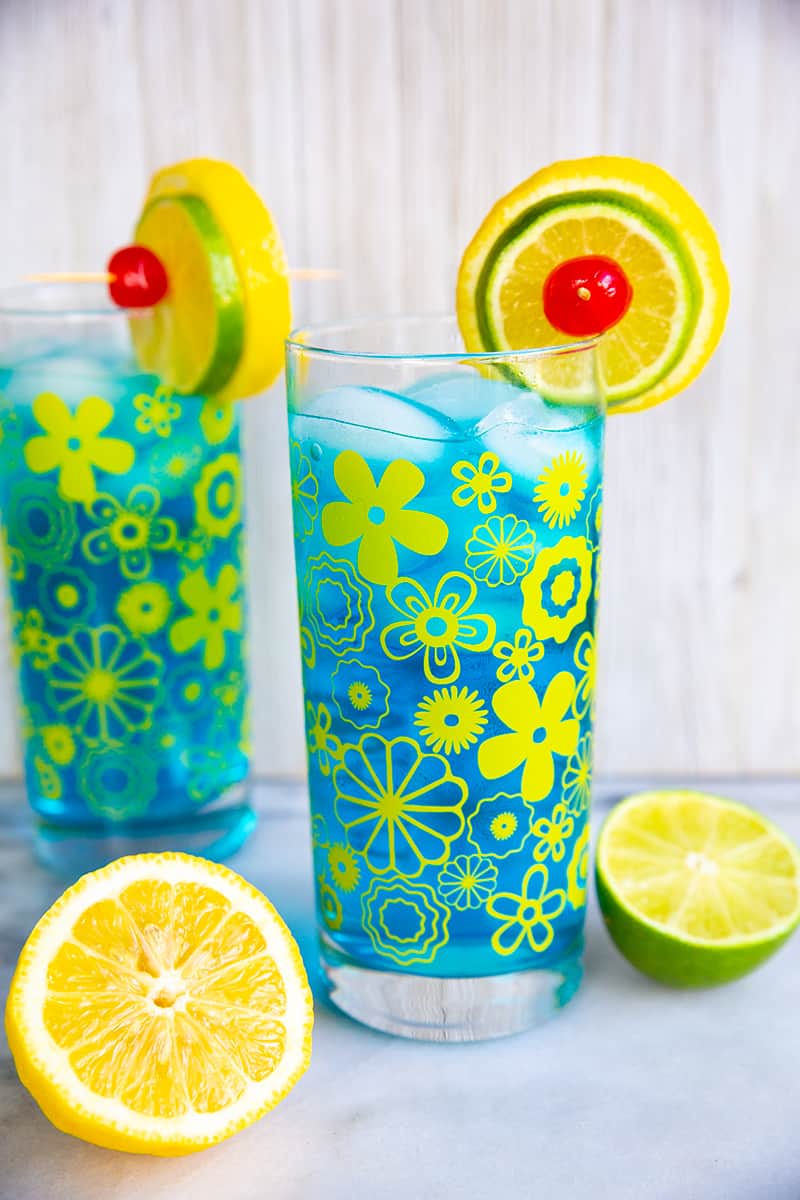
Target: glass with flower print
[(122, 533), (447, 517)]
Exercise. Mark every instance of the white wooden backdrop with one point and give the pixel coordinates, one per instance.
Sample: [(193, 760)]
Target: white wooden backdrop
[(380, 131)]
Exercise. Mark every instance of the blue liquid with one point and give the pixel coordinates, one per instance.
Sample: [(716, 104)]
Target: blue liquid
[(126, 589), (448, 667)]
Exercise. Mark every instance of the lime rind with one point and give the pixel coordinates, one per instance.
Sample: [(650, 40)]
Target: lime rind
[(156, 333), (676, 957)]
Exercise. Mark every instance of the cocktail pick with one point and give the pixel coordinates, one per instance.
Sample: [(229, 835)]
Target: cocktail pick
[(136, 277)]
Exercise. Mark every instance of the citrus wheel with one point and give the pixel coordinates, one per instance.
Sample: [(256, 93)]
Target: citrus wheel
[(623, 210)]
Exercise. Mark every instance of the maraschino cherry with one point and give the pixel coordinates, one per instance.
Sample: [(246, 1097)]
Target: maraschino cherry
[(585, 296), (138, 277)]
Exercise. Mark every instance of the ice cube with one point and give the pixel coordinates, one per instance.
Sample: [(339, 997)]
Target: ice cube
[(381, 425), (465, 396), (527, 433)]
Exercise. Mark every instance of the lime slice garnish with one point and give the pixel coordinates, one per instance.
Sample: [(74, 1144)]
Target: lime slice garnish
[(193, 338), (695, 889), (625, 210)]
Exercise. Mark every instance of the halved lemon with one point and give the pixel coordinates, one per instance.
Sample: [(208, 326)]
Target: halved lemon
[(159, 1006), (695, 889), (221, 327), (628, 211)]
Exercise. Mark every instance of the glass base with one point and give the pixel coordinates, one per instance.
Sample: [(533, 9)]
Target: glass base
[(214, 833), (450, 1010)]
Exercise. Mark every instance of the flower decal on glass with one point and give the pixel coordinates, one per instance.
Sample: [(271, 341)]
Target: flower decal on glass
[(578, 869), (48, 779), (451, 719), (321, 742), (129, 532), (527, 917), (33, 640), (66, 594), (43, 524), (105, 684), (467, 881), (405, 922), (13, 559), (73, 444), (576, 782), (59, 743), (401, 808), (501, 550), (360, 695), (480, 483), (156, 412), (216, 419), (118, 783), (218, 496), (174, 463), (539, 730), (337, 605), (330, 906), (517, 657), (594, 517), (586, 663), (438, 628), (344, 868), (375, 515), (305, 492), (144, 608), (214, 610), (556, 590), (499, 826), (560, 489), (552, 833)]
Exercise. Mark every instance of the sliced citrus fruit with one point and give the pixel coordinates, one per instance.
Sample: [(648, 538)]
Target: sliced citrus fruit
[(621, 209), (695, 889), (247, 354), (159, 1006), (193, 338)]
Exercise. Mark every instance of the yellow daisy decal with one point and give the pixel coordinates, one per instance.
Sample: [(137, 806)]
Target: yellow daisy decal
[(375, 515), (578, 870), (539, 730), (344, 869), (556, 591), (560, 489), (586, 663), (480, 483), (517, 657), (451, 719), (552, 833)]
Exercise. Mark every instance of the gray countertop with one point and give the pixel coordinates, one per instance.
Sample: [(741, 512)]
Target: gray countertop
[(633, 1092)]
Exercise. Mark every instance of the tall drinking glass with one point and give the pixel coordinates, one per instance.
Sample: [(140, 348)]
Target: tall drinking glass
[(447, 515), (121, 510)]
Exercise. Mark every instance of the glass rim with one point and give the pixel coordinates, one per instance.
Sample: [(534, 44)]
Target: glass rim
[(81, 302), (302, 338)]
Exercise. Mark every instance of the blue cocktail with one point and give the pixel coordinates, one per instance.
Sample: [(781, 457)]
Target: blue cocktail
[(123, 536), (447, 519)]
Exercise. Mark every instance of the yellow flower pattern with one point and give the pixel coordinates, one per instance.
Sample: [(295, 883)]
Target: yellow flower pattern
[(539, 729), (376, 517), (401, 808), (527, 916), (482, 483), (73, 443), (214, 611), (556, 590), (439, 627), (438, 655)]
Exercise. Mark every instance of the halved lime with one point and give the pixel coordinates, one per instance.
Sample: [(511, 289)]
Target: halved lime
[(638, 216), (192, 339), (695, 890)]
